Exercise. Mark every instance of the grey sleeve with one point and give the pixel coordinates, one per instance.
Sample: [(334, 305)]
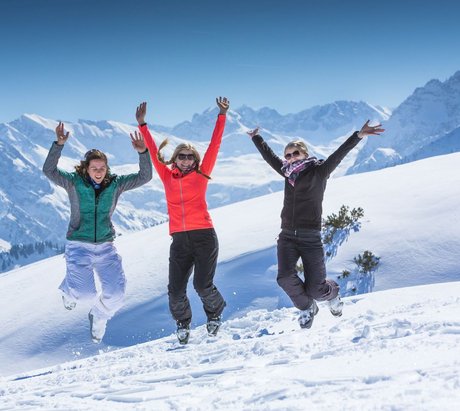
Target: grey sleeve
[(50, 169), (144, 175)]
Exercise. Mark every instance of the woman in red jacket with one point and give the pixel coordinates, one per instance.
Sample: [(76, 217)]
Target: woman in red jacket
[(194, 247)]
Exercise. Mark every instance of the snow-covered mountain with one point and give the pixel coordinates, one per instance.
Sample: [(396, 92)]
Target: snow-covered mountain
[(408, 222), (33, 210), (318, 125), (425, 124)]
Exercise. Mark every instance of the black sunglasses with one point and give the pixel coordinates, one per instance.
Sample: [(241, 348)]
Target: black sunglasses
[(186, 156), (293, 154)]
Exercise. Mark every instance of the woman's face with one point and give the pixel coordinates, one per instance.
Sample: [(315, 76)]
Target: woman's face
[(185, 160), (293, 153), (97, 170)]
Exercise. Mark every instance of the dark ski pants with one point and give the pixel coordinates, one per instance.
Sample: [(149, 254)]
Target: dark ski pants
[(197, 251), (307, 245)]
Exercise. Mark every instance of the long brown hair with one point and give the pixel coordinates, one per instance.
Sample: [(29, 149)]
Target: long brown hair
[(93, 154), (178, 149)]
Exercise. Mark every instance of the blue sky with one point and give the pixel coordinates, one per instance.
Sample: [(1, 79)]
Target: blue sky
[(96, 59)]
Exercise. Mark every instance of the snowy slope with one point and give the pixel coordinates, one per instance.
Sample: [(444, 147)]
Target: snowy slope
[(392, 350), (409, 222)]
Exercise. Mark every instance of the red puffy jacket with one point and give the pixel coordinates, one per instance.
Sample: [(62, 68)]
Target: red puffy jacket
[(186, 194)]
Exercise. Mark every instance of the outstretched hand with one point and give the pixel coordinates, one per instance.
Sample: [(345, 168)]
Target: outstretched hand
[(367, 130), (137, 140), (252, 133), (141, 111), (223, 104), (61, 135)]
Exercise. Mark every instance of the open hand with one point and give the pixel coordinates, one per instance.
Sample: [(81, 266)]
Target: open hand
[(61, 135), (137, 140), (367, 130), (252, 133), (223, 104), (141, 111)]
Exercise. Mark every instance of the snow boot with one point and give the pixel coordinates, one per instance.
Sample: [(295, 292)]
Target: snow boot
[(306, 316), (213, 326), (68, 301), (96, 327), (336, 306), (183, 332)]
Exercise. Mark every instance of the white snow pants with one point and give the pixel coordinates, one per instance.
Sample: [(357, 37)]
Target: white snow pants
[(83, 260)]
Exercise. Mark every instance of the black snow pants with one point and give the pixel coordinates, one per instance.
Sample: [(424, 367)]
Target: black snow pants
[(307, 245), (197, 251)]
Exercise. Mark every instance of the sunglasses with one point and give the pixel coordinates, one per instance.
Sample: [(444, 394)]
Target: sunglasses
[(186, 157), (288, 156)]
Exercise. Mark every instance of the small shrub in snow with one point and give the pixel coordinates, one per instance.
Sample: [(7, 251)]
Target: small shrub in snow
[(367, 262)]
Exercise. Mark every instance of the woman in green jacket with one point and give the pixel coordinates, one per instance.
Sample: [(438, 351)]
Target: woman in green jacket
[(93, 193)]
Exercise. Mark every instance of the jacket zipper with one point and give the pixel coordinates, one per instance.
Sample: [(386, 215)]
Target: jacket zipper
[(293, 210), (182, 204), (96, 201)]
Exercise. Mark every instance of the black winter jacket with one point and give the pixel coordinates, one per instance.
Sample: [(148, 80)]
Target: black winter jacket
[(303, 202)]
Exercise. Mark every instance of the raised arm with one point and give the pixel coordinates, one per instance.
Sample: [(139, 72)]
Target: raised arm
[(210, 157), (337, 156), (141, 111), (50, 169), (144, 175), (267, 153)]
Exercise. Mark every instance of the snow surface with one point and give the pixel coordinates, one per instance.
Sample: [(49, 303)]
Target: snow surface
[(394, 349)]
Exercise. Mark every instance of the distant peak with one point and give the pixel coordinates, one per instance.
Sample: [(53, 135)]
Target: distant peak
[(42, 121)]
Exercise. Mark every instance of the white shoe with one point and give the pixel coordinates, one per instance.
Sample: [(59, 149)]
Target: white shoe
[(68, 301), (97, 327), (336, 306), (307, 316)]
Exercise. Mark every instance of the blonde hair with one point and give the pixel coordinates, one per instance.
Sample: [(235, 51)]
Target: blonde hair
[(178, 149), (297, 144)]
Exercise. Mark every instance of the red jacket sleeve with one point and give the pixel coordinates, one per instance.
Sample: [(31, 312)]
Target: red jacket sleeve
[(210, 157), (161, 168)]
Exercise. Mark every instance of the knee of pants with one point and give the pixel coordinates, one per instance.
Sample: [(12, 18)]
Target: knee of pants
[(203, 288), (115, 295), (84, 294), (285, 279), (175, 291)]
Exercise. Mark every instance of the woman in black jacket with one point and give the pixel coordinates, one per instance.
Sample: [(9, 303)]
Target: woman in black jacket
[(300, 237)]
